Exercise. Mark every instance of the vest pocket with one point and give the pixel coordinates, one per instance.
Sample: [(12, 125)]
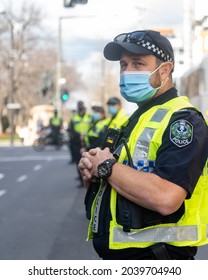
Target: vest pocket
[(133, 216), (128, 214)]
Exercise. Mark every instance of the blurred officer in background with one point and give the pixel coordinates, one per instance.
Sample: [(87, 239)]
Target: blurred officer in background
[(78, 128), (56, 126), (118, 116), (70, 143), (152, 202), (94, 138)]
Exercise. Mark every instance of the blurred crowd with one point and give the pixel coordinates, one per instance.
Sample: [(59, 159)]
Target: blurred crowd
[(88, 130)]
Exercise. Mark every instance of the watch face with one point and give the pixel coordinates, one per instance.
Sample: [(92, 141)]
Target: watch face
[(102, 170), (105, 168)]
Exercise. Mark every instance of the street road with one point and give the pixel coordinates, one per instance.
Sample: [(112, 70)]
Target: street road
[(41, 210)]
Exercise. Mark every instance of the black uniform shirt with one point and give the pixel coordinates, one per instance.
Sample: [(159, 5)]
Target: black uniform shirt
[(180, 159), (183, 165)]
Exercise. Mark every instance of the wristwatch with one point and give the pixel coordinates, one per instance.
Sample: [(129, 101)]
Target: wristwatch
[(105, 168)]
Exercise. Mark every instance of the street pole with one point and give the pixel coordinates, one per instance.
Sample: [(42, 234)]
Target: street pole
[(58, 65), (11, 99), (59, 57), (59, 60)]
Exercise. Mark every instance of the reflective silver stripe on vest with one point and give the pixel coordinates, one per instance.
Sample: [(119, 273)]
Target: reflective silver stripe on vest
[(97, 208), (159, 115), (158, 234), (140, 156)]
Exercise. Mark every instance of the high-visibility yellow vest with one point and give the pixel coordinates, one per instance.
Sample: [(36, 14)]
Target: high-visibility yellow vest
[(56, 121), (81, 124), (192, 228), (119, 121), (95, 130)]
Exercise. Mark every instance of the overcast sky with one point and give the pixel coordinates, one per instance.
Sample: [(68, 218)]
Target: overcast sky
[(99, 21), (103, 19), (90, 26)]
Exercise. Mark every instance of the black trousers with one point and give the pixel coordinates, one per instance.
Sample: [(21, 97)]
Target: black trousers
[(77, 157), (101, 246)]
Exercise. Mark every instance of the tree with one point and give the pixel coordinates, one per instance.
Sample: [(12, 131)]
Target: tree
[(32, 57), (4, 123), (72, 3), (19, 39)]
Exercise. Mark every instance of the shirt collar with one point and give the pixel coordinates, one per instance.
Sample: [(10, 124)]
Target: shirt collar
[(159, 100)]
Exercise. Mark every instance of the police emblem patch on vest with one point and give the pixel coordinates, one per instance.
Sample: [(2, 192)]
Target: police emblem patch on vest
[(181, 133)]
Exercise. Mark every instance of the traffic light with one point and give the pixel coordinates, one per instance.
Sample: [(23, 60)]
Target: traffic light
[(72, 3), (64, 95)]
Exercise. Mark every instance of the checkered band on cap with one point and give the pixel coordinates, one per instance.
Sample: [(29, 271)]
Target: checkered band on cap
[(154, 49)]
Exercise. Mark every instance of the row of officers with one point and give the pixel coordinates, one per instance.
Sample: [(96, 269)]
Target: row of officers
[(89, 130)]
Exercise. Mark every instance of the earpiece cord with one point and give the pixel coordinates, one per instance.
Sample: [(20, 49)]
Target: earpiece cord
[(128, 153)]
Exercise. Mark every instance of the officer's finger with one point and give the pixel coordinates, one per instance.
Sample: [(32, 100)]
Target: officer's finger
[(86, 174), (85, 163), (93, 152), (107, 149), (85, 155)]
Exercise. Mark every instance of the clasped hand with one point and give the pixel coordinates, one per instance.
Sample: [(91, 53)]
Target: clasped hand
[(89, 162)]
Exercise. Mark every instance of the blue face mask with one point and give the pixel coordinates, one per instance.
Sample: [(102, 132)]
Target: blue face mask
[(135, 86), (95, 117), (112, 110)]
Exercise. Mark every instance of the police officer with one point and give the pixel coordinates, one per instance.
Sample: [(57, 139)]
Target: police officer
[(78, 128), (118, 116), (94, 137), (153, 195), (56, 126), (117, 119)]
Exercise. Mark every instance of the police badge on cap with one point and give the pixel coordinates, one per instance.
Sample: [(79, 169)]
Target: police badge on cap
[(181, 133)]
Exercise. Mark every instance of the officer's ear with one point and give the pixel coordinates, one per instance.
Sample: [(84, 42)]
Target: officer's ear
[(166, 69)]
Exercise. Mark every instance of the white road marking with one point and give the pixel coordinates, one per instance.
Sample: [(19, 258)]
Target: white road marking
[(34, 158), (2, 192), (37, 167), (1, 176), (22, 178)]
